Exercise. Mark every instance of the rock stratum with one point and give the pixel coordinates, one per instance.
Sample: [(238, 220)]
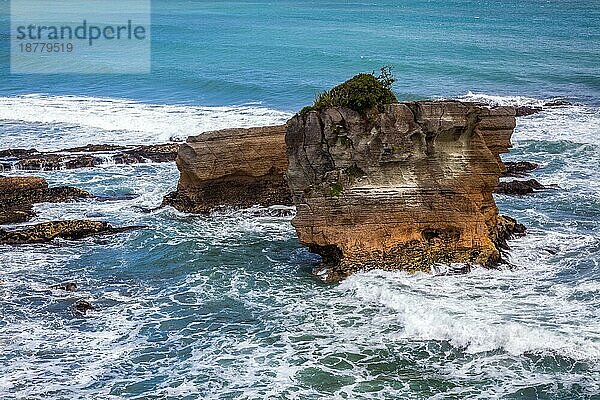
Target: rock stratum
[(233, 168), (405, 188)]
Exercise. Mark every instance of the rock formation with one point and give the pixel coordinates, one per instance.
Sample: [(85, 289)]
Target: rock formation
[(520, 188), (18, 194), (48, 231), (405, 188), (85, 156), (519, 168), (232, 167)]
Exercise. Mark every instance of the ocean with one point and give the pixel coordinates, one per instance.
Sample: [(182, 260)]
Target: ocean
[(225, 306)]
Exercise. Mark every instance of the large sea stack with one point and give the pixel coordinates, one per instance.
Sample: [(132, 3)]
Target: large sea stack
[(404, 187)]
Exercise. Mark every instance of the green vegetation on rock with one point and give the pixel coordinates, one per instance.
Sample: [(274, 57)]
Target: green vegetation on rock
[(354, 171), (361, 93), (336, 189)]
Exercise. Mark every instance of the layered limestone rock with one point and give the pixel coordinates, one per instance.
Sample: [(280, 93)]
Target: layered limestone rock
[(402, 189), (232, 167)]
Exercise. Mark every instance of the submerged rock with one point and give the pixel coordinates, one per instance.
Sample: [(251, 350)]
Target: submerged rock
[(48, 231), (557, 103), (232, 168), (66, 286), (18, 194), (81, 307), (406, 188)]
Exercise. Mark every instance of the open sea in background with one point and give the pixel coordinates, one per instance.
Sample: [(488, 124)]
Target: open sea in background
[(224, 307)]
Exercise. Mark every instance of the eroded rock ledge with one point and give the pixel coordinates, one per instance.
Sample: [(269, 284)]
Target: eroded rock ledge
[(19, 194), (404, 189), (91, 155), (232, 167), (48, 231)]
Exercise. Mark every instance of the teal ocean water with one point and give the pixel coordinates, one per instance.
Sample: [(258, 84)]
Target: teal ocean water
[(224, 307)]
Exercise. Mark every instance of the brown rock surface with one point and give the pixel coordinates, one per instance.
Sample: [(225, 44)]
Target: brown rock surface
[(404, 189), (232, 167), (18, 194)]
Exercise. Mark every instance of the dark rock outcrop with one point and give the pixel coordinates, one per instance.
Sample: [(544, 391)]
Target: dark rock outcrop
[(232, 168), (86, 156), (404, 189), (66, 286), (523, 111), (519, 188), (507, 228), (519, 168), (18, 194), (81, 307), (48, 231)]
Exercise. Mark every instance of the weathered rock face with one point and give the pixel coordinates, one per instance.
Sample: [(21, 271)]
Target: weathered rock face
[(233, 167), (18, 194), (404, 189)]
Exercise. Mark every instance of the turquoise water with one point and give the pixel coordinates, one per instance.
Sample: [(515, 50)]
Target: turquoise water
[(280, 53), (224, 306)]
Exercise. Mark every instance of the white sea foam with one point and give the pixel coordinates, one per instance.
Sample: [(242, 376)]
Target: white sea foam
[(577, 123), (484, 319), (496, 100), (54, 122)]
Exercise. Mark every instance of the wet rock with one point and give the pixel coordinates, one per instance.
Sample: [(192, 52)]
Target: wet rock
[(522, 111), (451, 269), (406, 188), (235, 168), (16, 214), (506, 229), (86, 156), (519, 188), (48, 231), (557, 103), (519, 168), (155, 153), (66, 286), (18, 194), (17, 152), (81, 307), (95, 148)]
